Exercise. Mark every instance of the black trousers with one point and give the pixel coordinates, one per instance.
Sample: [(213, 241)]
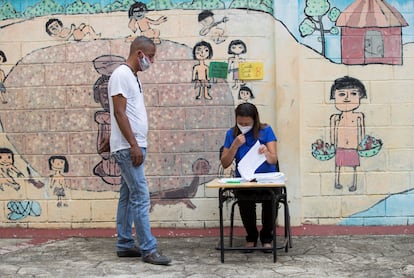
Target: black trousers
[(247, 208)]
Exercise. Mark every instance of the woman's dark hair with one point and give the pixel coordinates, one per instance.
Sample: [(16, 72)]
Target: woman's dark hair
[(248, 109), (347, 82)]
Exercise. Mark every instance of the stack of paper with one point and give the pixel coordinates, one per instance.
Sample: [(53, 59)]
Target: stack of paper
[(273, 177)]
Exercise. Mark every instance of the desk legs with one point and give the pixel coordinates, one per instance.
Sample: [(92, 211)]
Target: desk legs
[(274, 216), (221, 201), (276, 199)]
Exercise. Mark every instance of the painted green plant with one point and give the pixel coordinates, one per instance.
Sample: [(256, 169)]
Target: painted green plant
[(79, 7), (315, 12), (7, 11), (160, 5), (49, 7), (44, 7), (202, 5), (258, 5), (123, 5)]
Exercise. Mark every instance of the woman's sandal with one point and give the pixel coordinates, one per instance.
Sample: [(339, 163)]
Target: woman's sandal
[(267, 245), (249, 245)]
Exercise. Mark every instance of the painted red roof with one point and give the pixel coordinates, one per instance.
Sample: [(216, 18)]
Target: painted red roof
[(370, 13)]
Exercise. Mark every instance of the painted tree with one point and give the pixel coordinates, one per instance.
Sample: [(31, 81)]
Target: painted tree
[(316, 11)]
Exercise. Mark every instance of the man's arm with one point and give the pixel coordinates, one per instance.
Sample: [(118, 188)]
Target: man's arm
[(123, 122)]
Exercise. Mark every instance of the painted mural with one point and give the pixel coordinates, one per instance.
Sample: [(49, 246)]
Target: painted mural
[(57, 90)]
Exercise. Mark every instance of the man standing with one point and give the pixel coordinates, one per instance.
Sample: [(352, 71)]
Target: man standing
[(128, 144)]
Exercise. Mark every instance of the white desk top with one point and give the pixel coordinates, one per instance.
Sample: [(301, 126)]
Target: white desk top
[(217, 183)]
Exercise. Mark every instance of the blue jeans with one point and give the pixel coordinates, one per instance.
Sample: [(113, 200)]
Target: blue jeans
[(133, 205)]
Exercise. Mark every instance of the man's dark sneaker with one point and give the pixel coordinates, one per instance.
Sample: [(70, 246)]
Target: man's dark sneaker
[(156, 258), (132, 252)]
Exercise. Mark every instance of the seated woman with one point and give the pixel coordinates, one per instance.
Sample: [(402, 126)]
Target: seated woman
[(239, 139)]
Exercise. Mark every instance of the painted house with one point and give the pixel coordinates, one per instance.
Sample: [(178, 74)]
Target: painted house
[(371, 33)]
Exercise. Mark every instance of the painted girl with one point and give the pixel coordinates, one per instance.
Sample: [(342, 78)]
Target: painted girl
[(236, 48), (59, 165)]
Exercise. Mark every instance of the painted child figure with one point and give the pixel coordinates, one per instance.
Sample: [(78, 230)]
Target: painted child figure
[(236, 49), (139, 20), (55, 29), (202, 51), (245, 94), (347, 128), (59, 165)]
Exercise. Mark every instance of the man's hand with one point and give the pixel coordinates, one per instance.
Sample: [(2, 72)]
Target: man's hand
[(137, 155)]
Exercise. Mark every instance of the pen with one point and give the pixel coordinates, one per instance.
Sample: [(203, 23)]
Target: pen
[(232, 181)]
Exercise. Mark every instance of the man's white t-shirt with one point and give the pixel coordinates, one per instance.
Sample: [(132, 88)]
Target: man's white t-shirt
[(125, 83)]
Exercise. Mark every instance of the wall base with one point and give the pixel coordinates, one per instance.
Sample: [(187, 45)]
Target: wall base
[(306, 230)]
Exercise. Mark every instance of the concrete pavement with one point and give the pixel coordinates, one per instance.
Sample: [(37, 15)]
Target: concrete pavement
[(311, 256)]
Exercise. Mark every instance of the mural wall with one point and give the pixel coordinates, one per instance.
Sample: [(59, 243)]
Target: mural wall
[(331, 76)]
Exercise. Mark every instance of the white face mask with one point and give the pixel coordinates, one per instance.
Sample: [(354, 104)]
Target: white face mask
[(144, 63), (244, 129)]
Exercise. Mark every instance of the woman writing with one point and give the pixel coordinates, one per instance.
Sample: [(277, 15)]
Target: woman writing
[(239, 140)]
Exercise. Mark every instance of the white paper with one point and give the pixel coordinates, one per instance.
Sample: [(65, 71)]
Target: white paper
[(272, 177), (250, 162)]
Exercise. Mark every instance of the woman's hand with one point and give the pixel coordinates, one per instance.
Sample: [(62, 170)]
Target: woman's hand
[(227, 156), (263, 150), (269, 150), (239, 140)]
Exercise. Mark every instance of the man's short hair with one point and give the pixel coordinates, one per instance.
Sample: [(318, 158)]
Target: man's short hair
[(141, 43)]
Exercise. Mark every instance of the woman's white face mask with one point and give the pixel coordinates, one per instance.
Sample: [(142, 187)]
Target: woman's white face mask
[(245, 129)]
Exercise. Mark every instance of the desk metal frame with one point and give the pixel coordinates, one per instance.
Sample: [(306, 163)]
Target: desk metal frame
[(277, 194)]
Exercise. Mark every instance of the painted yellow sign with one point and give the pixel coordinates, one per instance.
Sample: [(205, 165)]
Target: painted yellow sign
[(251, 70)]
